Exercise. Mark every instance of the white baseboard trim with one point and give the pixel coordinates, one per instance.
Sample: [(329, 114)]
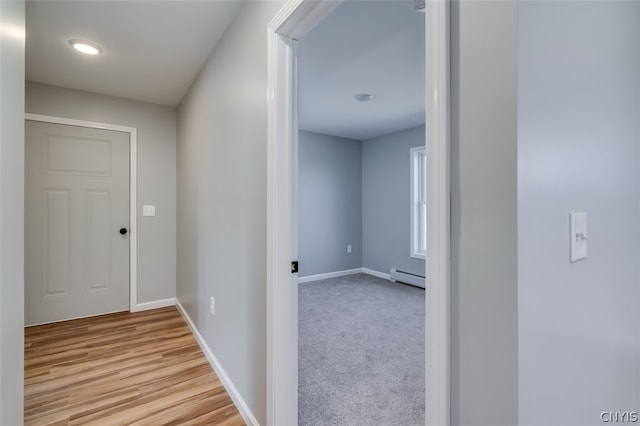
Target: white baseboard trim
[(145, 306), (242, 406), (376, 274), (344, 273), (329, 275)]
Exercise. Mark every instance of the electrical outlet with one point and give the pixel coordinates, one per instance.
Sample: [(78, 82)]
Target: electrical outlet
[(349, 248), (212, 306)]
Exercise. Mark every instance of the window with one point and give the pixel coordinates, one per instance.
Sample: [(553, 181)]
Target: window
[(418, 202)]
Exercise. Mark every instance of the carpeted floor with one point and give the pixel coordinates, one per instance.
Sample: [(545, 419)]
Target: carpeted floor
[(361, 352)]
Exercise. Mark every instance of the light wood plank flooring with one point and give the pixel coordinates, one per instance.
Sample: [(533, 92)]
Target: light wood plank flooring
[(142, 368)]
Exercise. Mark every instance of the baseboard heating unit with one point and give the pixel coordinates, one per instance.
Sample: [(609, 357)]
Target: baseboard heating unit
[(406, 278)]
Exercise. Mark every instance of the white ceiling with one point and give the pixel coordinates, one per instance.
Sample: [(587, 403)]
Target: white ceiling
[(153, 50), (375, 47)]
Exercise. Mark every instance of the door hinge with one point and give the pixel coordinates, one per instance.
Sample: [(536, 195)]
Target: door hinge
[(294, 267)]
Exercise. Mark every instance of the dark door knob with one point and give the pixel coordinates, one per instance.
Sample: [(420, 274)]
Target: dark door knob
[(123, 231)]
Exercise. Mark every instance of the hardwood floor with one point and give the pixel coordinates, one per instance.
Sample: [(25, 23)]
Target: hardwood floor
[(142, 368)]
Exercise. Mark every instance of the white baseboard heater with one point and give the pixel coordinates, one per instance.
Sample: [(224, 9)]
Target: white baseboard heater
[(407, 277)]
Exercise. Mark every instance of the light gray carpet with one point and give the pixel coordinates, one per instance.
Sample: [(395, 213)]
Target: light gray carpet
[(361, 352)]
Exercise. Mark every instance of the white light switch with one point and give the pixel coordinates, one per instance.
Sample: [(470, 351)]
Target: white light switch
[(578, 235), (148, 210)]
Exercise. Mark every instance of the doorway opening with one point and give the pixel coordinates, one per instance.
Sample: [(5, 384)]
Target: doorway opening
[(361, 115), (289, 25)]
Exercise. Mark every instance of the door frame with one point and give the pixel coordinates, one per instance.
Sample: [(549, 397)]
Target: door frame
[(133, 194), (296, 18)]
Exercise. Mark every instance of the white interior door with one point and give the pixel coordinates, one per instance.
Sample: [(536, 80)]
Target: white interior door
[(76, 222)]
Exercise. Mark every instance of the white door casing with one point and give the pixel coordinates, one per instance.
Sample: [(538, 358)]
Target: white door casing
[(295, 19), (94, 197), (438, 255)]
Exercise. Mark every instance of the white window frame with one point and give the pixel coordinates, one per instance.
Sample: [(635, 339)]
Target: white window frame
[(418, 203)]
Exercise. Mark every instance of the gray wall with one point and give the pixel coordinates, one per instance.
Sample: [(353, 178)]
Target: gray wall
[(386, 206), (578, 150), (156, 172), (12, 46), (329, 203), (484, 358), (222, 161)]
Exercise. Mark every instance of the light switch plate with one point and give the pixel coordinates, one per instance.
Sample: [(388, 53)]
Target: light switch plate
[(578, 235), (148, 210)]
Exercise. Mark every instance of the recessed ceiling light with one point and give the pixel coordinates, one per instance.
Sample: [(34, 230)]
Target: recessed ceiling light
[(364, 97), (86, 47)]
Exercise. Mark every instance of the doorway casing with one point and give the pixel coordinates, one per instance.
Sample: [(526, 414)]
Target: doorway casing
[(133, 173), (294, 20)]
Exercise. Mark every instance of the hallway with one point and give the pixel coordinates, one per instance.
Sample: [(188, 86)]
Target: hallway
[(123, 368)]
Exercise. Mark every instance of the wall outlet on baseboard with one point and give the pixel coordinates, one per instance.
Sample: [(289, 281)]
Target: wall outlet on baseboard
[(349, 248), (212, 306)]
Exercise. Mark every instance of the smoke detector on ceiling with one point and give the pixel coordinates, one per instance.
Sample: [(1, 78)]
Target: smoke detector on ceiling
[(364, 97)]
